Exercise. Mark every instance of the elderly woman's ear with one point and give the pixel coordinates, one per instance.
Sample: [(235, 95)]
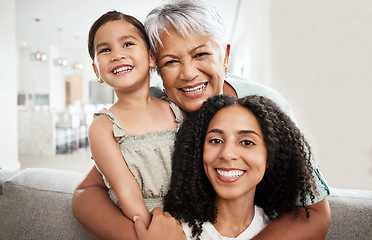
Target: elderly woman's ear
[(226, 60)]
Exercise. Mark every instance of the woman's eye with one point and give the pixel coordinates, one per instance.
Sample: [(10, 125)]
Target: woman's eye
[(215, 141), (168, 63), (201, 54), (247, 143)]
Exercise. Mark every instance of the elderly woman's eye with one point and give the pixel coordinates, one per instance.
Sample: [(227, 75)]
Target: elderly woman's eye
[(201, 54), (171, 62)]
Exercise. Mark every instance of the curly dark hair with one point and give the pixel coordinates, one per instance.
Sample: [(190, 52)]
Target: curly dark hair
[(287, 180)]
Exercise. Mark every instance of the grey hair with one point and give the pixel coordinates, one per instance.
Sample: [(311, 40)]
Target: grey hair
[(184, 17)]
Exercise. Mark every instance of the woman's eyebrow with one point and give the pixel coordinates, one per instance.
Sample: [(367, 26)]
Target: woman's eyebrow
[(168, 55), (196, 48), (215, 131), (248, 132)]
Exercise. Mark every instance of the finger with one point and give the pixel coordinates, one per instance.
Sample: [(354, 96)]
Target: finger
[(167, 214), (139, 226), (157, 211)]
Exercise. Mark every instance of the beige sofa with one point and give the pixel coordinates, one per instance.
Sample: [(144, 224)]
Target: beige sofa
[(36, 204)]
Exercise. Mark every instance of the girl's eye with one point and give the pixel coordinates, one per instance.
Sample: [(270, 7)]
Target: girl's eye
[(104, 50), (128, 45), (247, 143)]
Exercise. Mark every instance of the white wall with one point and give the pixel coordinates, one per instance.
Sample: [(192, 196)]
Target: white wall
[(318, 55), (321, 61), (8, 87)]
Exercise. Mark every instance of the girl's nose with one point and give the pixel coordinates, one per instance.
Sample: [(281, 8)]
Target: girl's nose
[(118, 55)]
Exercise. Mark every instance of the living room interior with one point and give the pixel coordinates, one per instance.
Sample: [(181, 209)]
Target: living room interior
[(317, 54)]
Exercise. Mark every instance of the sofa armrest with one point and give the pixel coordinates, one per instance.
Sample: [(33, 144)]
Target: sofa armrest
[(351, 211), (36, 204), (5, 175)]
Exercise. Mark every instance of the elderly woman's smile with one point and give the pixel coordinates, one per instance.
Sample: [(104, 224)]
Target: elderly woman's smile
[(192, 68)]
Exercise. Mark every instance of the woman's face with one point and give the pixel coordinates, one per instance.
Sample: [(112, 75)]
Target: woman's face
[(192, 68), (235, 153)]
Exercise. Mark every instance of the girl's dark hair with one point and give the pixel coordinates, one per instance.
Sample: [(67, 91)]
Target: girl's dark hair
[(287, 180), (114, 16)]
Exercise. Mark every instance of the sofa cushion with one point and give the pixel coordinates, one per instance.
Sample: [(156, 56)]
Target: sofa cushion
[(5, 175), (36, 204), (351, 211)]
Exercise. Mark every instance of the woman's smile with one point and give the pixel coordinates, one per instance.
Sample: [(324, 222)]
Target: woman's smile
[(195, 90), (229, 175)]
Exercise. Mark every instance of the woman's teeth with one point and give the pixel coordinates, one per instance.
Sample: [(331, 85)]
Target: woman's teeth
[(194, 89), (122, 69), (229, 174)]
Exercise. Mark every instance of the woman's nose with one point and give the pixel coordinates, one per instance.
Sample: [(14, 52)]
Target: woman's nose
[(189, 70), (228, 152)]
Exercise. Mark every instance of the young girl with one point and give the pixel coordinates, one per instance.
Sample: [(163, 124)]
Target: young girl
[(238, 163), (132, 142)]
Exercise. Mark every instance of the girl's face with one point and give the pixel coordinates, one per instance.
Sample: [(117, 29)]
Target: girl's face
[(235, 153), (121, 57), (192, 68)]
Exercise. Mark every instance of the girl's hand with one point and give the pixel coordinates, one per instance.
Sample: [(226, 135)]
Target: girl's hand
[(163, 226)]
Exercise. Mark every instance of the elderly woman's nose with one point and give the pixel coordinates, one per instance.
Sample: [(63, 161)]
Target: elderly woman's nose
[(189, 71)]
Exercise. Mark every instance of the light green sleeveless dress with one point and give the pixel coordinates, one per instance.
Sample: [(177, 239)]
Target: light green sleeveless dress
[(148, 157)]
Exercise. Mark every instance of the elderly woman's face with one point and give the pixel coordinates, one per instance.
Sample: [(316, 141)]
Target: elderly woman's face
[(192, 68)]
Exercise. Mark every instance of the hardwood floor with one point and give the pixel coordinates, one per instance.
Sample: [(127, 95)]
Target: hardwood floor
[(78, 161)]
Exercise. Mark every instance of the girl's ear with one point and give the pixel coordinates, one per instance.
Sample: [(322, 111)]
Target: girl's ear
[(97, 72), (152, 59), (226, 60), (95, 69)]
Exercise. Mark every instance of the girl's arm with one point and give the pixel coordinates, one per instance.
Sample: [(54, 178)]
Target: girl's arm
[(93, 208), (288, 227), (110, 161)]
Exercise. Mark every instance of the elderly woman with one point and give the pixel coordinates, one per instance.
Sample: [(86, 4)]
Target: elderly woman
[(187, 38)]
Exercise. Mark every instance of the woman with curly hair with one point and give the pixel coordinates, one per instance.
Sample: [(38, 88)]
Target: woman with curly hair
[(237, 164)]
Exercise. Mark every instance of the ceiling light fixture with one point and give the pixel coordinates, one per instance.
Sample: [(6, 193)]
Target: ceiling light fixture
[(38, 56), (77, 65), (60, 61)]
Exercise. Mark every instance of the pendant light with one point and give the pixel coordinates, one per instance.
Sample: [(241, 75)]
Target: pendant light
[(77, 65), (60, 61), (38, 56)]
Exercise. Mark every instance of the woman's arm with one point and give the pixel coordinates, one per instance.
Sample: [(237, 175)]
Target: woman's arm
[(93, 208), (111, 163), (287, 226), (163, 226)]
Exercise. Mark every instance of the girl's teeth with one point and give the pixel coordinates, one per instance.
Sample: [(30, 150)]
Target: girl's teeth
[(122, 69), (195, 89), (230, 174)]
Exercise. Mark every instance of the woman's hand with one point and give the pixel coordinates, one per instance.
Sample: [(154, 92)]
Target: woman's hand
[(163, 226)]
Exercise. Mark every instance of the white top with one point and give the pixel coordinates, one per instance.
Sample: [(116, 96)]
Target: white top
[(260, 220)]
